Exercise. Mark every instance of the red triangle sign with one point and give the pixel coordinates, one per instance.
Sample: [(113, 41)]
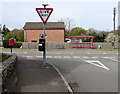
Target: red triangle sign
[(44, 13)]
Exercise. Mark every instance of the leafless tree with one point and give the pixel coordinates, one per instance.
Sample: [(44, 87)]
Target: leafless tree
[(69, 23)]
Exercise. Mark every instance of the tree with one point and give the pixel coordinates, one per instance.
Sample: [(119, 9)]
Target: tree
[(69, 24), (5, 30), (18, 34), (9, 35), (112, 38), (99, 35), (77, 31)]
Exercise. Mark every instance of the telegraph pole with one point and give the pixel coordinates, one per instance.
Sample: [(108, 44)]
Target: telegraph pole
[(114, 15)]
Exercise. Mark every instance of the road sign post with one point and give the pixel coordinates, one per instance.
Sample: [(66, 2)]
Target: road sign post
[(44, 52), (44, 14)]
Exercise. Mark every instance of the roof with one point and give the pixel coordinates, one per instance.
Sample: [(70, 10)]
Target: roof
[(39, 25)]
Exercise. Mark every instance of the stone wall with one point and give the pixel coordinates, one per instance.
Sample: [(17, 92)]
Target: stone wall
[(8, 67)]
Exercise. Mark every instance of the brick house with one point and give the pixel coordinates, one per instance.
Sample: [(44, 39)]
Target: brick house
[(55, 31)]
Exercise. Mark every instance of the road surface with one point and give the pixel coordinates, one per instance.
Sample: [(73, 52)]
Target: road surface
[(86, 70)]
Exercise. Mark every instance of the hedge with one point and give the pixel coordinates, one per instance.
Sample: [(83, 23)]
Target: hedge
[(5, 43), (18, 44)]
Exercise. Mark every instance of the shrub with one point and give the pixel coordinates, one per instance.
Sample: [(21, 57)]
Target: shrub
[(18, 44), (5, 43)]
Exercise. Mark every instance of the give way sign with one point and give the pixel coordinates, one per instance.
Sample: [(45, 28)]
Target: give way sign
[(44, 13)]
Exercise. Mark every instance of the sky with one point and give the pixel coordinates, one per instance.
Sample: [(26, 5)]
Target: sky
[(97, 14)]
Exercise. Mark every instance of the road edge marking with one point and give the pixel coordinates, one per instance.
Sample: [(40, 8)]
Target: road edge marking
[(63, 78)]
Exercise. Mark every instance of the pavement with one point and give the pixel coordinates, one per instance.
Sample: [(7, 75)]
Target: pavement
[(31, 76)]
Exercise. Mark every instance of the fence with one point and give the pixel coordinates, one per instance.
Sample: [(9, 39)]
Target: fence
[(65, 45)]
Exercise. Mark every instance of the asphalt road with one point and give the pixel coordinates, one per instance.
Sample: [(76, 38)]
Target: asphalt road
[(86, 70)]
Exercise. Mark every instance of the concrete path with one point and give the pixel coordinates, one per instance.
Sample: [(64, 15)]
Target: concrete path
[(32, 77)]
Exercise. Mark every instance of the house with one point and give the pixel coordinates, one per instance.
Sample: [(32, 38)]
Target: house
[(55, 31)]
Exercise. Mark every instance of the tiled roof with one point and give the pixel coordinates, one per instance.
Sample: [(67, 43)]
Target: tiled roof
[(39, 25)]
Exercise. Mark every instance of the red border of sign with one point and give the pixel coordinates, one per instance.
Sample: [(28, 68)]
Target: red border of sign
[(44, 9)]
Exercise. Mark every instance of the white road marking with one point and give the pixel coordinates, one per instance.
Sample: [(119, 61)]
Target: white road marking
[(93, 62), (71, 53), (66, 56), (114, 59), (109, 57), (57, 56), (49, 56), (76, 57), (105, 57), (58, 53), (17, 52), (39, 56), (94, 57), (86, 57), (103, 53), (29, 56)]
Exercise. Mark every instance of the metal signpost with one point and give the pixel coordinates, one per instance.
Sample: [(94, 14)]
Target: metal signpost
[(44, 14)]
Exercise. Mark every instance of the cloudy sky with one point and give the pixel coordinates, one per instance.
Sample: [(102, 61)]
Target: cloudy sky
[(97, 14)]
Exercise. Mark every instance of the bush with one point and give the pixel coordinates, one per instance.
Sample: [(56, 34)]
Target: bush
[(17, 44), (5, 43)]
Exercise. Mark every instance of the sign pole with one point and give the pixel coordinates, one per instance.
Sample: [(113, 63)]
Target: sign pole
[(11, 49), (44, 52), (44, 14)]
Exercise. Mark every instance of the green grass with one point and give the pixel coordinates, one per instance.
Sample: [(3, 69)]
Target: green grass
[(107, 48)]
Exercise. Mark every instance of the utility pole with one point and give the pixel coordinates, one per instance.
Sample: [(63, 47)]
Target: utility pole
[(114, 15), (114, 20)]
